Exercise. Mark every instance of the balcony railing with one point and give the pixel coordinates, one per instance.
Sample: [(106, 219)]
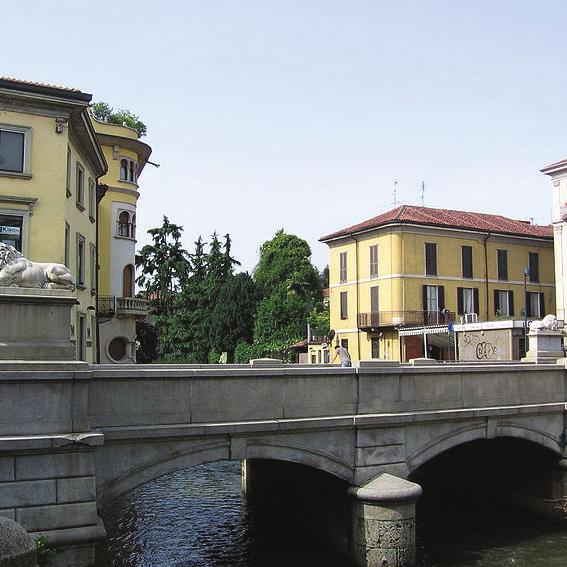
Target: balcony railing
[(131, 306), (110, 306), (106, 306), (404, 319)]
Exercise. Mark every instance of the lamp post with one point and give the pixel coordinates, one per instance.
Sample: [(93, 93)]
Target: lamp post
[(526, 274)]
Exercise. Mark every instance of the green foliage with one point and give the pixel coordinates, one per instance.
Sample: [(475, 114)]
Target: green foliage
[(320, 321), (44, 551), (232, 320), (105, 113), (245, 352), (290, 287), (146, 342)]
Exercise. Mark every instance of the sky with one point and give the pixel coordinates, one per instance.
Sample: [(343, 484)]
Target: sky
[(302, 114)]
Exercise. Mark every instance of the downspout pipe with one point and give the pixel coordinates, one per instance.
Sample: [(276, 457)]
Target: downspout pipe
[(357, 293), (485, 240)]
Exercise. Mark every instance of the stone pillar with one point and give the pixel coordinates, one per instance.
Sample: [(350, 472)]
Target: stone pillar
[(35, 324), (546, 346), (383, 532)]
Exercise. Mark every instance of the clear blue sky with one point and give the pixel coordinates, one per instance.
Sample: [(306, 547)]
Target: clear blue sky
[(301, 114)]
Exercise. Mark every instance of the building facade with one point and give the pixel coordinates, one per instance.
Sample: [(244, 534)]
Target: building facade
[(50, 161), (118, 308), (558, 173), (417, 266)]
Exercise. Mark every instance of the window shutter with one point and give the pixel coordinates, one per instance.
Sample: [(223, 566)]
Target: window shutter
[(460, 301), (511, 302), (424, 294), (476, 302), (541, 305), (440, 297), (496, 301)]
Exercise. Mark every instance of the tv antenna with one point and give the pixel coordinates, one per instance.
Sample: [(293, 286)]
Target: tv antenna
[(395, 193), (422, 193)]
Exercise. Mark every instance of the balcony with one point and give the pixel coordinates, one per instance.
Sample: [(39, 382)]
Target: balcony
[(131, 307), (403, 319), (110, 306)]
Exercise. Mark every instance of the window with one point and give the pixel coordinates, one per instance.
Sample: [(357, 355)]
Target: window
[(67, 243), (11, 230), (467, 300), (128, 281), (344, 305), (375, 347), (374, 261), (503, 302), (433, 298), (80, 261), (502, 264), (343, 267), (126, 226), (117, 349), (68, 180), (535, 304), (430, 259), (12, 151), (92, 200), (467, 261), (374, 306), (93, 267), (533, 264), (80, 187), (344, 343), (128, 170), (82, 337)]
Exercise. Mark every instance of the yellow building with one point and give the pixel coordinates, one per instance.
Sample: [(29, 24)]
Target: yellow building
[(50, 161), (118, 309), (423, 267)]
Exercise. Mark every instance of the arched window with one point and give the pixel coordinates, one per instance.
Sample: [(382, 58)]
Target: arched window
[(124, 224), (132, 172), (124, 169), (128, 281), (133, 231)]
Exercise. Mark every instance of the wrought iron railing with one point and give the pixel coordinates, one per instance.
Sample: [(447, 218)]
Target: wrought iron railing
[(106, 306), (404, 318)]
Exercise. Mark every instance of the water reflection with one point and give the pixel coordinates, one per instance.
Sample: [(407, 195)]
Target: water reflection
[(199, 518)]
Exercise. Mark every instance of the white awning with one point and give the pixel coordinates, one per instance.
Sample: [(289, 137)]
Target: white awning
[(432, 330)]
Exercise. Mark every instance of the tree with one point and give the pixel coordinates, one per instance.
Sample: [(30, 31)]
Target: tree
[(105, 113), (232, 320), (290, 287), (164, 266)]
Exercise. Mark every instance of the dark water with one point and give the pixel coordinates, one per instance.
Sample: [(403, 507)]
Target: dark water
[(199, 518)]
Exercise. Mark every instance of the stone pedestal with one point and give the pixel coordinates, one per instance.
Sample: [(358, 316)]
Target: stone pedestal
[(384, 522), (545, 347), (35, 324)]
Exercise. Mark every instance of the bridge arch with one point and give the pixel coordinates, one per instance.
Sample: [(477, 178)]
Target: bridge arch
[(479, 431), (143, 472)]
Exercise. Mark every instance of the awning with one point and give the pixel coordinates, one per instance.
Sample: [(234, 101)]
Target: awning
[(430, 330)]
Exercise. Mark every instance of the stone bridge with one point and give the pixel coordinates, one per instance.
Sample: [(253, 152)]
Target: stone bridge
[(73, 436)]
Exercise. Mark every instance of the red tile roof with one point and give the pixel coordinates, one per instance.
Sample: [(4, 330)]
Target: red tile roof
[(482, 222), (36, 84)]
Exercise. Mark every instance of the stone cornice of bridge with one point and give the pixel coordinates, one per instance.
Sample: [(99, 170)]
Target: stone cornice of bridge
[(322, 423)]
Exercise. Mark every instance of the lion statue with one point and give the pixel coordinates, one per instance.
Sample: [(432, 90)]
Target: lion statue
[(548, 323), (17, 271)]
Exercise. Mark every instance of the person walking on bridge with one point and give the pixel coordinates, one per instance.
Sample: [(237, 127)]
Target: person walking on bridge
[(343, 354)]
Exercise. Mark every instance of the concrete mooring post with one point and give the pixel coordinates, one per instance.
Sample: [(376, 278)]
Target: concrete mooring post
[(383, 532)]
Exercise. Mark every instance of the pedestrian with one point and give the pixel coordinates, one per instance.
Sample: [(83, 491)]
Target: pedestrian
[(343, 354)]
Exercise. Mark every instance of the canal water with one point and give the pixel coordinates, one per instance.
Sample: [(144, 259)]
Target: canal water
[(199, 518)]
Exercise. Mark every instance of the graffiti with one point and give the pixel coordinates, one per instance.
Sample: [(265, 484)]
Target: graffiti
[(485, 350), (470, 338)]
